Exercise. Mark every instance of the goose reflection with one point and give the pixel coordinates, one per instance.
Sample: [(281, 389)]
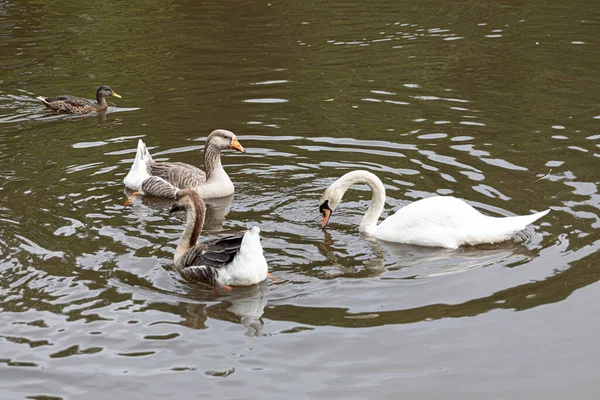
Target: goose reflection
[(244, 305), (214, 216)]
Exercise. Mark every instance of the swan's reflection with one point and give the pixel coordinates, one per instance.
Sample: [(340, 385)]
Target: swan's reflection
[(215, 211), (245, 305), (371, 268), (422, 262), (427, 262)]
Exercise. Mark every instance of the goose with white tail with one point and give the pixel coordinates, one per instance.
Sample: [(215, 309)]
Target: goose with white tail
[(439, 221), (164, 179), (235, 260)]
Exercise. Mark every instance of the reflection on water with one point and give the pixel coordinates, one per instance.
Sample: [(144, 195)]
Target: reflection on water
[(214, 215), (242, 305), (491, 103)]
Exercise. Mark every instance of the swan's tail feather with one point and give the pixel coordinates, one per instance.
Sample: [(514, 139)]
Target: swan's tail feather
[(520, 222), (499, 229), (139, 170), (511, 225)]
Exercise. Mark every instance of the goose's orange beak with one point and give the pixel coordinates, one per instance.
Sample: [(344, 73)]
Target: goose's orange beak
[(235, 145), (326, 214)]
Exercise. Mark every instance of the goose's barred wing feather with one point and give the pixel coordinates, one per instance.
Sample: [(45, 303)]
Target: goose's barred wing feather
[(180, 175), (156, 186), (202, 274)]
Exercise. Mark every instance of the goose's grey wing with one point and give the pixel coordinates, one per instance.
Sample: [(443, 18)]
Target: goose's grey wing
[(180, 175), (156, 186), (215, 253), (202, 262), (201, 274)]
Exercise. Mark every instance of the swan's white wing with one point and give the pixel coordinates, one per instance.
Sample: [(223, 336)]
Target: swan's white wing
[(446, 221)]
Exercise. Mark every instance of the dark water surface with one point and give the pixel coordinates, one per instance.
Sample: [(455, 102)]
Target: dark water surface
[(494, 102)]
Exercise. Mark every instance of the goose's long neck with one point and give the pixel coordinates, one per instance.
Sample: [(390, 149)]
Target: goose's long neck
[(369, 221), (212, 160), (191, 233)]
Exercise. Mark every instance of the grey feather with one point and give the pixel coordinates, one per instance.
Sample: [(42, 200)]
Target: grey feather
[(215, 253), (156, 186)]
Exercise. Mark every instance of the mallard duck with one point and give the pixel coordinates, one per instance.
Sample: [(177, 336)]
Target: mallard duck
[(439, 221), (164, 179), (78, 105), (235, 260)]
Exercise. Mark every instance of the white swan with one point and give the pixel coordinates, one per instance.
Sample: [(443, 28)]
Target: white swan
[(439, 221), (235, 260)]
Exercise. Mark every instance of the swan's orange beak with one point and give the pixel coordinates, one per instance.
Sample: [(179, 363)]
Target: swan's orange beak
[(235, 145), (326, 214)]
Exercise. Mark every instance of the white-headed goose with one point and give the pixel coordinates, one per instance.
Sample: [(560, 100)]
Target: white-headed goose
[(164, 179)]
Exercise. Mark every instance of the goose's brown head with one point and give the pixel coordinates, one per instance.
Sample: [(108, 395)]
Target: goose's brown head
[(186, 200), (224, 140)]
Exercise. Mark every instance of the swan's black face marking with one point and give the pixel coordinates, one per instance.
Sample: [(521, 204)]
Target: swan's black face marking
[(324, 206), (326, 211)]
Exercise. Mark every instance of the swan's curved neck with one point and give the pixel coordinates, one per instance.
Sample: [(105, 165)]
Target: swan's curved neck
[(193, 228), (369, 221), (212, 160)]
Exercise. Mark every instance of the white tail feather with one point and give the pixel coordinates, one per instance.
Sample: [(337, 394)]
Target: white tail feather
[(520, 222), (249, 266), (139, 170), (498, 229), (42, 99)]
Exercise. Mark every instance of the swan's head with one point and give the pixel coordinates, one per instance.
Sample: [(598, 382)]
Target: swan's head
[(224, 140), (329, 201), (187, 200), (106, 91)]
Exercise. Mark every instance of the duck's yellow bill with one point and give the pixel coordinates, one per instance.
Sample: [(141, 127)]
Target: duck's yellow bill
[(326, 214), (113, 94), (235, 145)]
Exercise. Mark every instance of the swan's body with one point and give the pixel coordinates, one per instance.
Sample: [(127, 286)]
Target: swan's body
[(79, 105), (440, 221), (235, 260), (164, 179)]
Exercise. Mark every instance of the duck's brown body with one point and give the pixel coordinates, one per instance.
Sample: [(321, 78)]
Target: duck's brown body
[(79, 105)]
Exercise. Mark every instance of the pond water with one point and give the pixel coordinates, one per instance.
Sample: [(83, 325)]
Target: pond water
[(492, 102)]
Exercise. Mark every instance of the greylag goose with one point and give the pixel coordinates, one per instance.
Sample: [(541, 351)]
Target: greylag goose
[(164, 179), (235, 260)]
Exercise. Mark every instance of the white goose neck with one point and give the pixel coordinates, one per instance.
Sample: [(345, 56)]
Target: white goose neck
[(369, 221)]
